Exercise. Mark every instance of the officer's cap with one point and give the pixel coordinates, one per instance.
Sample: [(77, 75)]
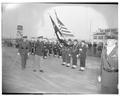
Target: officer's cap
[(24, 36), (75, 40), (69, 40), (40, 37), (83, 41)]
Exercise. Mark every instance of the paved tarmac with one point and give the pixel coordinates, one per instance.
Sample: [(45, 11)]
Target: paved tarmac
[(56, 78)]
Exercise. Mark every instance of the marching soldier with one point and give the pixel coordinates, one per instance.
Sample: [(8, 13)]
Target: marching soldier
[(45, 49), (109, 65), (63, 54), (39, 53), (23, 51), (68, 52), (94, 49), (49, 48), (75, 50), (82, 55), (59, 49), (55, 49), (32, 47)]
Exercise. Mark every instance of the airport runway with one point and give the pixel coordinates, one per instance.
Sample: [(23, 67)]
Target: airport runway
[(56, 78)]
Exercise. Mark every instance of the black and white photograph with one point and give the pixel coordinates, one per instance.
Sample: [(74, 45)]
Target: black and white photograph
[(59, 48)]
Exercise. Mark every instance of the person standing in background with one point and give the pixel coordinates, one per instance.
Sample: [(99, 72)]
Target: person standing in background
[(109, 65)]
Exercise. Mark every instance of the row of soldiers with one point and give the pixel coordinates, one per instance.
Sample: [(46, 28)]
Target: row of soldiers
[(70, 51)]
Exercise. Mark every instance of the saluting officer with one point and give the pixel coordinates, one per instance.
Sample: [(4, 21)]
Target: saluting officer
[(23, 51), (109, 64), (39, 53), (82, 55), (68, 52), (75, 50)]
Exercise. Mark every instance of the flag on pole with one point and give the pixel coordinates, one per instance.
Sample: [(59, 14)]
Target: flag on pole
[(65, 32), (57, 31)]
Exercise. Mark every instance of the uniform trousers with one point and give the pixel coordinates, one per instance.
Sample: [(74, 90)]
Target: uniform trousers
[(23, 60), (82, 61), (74, 59), (38, 62)]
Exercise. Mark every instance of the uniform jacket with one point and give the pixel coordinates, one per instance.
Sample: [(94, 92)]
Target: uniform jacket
[(108, 63), (75, 49), (23, 48), (69, 49), (39, 48), (82, 50)]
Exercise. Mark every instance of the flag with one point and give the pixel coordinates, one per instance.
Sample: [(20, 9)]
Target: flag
[(57, 31), (65, 32), (55, 28)]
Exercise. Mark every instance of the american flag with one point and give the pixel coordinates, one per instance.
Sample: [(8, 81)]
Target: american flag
[(65, 32), (57, 32)]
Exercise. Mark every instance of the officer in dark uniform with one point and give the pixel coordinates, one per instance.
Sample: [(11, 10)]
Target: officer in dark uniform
[(82, 55), (68, 52), (23, 51), (49, 48), (109, 65), (99, 49), (75, 50), (64, 51), (59, 47), (32, 46), (94, 49), (45, 49), (39, 53), (55, 48)]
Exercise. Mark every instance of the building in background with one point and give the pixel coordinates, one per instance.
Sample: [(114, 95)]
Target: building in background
[(99, 36)]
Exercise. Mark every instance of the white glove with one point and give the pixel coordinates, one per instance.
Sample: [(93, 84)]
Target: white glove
[(80, 49), (18, 53), (77, 55), (28, 54), (99, 78)]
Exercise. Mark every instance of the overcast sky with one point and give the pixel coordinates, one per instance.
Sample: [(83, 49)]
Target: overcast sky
[(76, 17)]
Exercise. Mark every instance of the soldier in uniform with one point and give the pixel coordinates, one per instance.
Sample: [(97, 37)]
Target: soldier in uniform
[(109, 65), (68, 52), (32, 46), (55, 49), (23, 51), (49, 48), (82, 55), (75, 50), (63, 54), (45, 49), (39, 53), (59, 49), (94, 49)]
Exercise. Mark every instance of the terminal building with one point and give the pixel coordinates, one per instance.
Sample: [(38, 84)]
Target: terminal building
[(99, 36)]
